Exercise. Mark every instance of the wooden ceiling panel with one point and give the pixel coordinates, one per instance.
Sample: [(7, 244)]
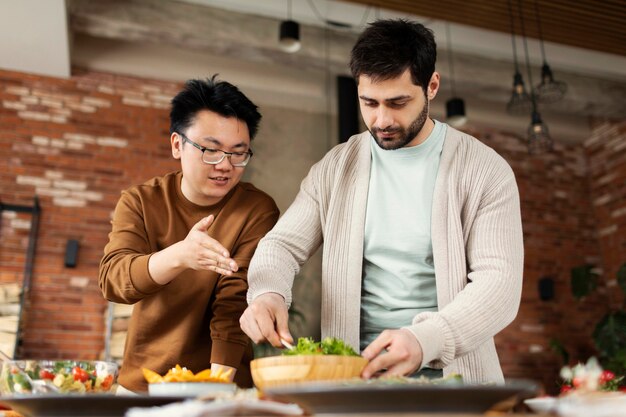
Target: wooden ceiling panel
[(599, 25)]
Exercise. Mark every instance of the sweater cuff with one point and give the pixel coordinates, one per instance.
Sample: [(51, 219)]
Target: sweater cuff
[(430, 338), (227, 353), (140, 276), (285, 293)]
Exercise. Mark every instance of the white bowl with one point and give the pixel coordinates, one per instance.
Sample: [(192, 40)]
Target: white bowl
[(189, 389), (542, 405)]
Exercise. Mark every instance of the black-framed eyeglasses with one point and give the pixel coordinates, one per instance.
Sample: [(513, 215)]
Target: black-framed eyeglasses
[(215, 156)]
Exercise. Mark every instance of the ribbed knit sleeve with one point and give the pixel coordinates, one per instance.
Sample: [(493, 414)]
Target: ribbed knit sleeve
[(296, 236)]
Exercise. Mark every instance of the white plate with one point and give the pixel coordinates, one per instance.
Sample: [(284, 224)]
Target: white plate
[(189, 389), (542, 404)]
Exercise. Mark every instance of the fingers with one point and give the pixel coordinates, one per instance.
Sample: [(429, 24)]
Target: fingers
[(249, 326), (217, 263), (203, 224), (282, 326), (258, 324), (394, 352), (377, 346), (260, 320), (204, 252)]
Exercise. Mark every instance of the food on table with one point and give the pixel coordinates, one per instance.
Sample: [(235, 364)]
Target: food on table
[(68, 376), (328, 346), (590, 377), (182, 374)]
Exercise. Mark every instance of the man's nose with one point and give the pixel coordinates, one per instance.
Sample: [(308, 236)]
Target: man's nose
[(225, 164), (384, 118)]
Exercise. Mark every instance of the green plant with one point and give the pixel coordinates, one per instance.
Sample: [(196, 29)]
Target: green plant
[(609, 335)]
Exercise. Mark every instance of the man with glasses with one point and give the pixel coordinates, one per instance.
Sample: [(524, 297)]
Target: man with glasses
[(180, 244), (423, 253)]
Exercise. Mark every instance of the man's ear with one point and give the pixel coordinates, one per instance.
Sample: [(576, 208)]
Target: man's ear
[(177, 145), (433, 86)]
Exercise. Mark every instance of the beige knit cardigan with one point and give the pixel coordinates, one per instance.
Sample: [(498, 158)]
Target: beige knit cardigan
[(477, 247)]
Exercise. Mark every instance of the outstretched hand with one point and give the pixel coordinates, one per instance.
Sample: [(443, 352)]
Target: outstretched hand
[(201, 251), (266, 320), (393, 353)]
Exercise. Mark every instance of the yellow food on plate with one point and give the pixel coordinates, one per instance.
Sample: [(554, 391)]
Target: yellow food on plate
[(182, 374)]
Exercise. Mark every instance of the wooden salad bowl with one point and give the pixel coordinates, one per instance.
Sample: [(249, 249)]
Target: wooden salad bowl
[(274, 371)]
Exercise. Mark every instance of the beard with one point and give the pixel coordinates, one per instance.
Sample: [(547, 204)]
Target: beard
[(404, 136)]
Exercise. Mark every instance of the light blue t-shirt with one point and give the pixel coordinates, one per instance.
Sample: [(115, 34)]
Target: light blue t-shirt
[(398, 268)]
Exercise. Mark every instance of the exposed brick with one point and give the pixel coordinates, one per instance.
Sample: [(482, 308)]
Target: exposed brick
[(115, 142), (79, 282), (19, 91), (607, 230), (68, 202), (96, 102), (15, 105), (30, 100), (34, 115), (70, 185), (87, 195), (41, 141), (36, 181), (79, 137)]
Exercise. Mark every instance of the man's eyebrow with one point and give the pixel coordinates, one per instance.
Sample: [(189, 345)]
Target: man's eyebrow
[(398, 98), (218, 144), (387, 100)]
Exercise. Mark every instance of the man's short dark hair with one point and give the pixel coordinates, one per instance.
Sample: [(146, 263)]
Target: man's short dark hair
[(389, 47), (217, 96)]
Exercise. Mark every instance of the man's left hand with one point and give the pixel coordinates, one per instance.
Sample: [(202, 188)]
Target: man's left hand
[(395, 352)]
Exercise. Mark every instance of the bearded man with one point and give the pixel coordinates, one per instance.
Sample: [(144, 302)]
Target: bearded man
[(421, 227)]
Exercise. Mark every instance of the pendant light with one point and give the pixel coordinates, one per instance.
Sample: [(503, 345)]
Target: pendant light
[(455, 106), (549, 90), (289, 35), (539, 140), (520, 102)]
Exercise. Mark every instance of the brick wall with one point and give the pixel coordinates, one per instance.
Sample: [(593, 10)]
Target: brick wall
[(606, 152), (76, 143), (573, 209)]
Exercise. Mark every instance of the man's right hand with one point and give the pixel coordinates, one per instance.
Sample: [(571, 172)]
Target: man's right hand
[(201, 251), (198, 251), (266, 320)]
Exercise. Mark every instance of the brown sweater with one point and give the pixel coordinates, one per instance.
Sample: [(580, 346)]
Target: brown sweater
[(193, 320)]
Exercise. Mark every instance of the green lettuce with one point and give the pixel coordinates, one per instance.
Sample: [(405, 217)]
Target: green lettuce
[(328, 346)]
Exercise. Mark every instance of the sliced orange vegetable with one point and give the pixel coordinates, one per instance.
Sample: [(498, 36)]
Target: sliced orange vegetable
[(178, 374), (151, 376)]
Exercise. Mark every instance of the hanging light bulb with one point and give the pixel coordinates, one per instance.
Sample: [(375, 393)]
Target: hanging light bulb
[(455, 106), (289, 34), (520, 102), (539, 140), (549, 90)]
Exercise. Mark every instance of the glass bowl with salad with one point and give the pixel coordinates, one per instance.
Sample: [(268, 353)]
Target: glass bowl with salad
[(27, 376)]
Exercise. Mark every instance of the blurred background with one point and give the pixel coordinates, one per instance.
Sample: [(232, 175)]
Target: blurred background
[(85, 87)]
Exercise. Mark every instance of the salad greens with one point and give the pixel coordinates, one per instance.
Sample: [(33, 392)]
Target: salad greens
[(328, 346)]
